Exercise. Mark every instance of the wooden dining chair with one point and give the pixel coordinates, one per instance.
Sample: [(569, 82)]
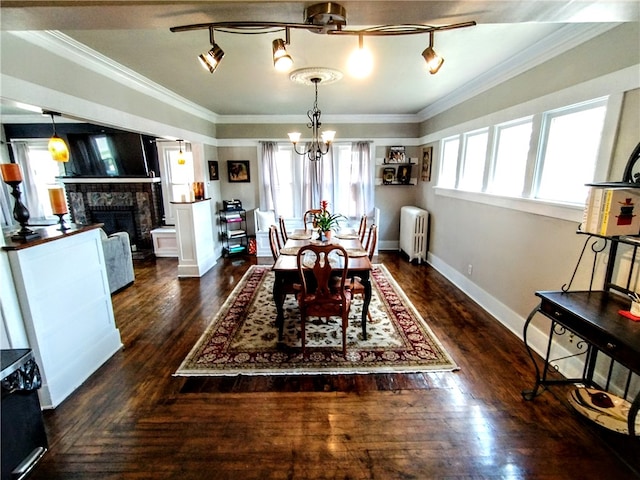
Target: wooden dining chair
[(309, 218), (363, 228), (319, 296), (355, 283), (274, 242), (283, 230)]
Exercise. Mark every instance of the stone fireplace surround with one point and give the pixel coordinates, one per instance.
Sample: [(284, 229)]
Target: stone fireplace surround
[(142, 197)]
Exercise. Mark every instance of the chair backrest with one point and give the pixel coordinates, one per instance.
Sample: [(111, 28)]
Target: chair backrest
[(363, 228), (274, 242), (309, 218), (283, 230), (372, 240), (316, 260)]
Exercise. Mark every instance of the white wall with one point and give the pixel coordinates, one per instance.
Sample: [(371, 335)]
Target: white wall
[(515, 253)]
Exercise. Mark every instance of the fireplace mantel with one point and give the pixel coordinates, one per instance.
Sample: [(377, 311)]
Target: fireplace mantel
[(92, 180)]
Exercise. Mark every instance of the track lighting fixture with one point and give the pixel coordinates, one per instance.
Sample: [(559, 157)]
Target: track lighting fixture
[(57, 147), (434, 61), (328, 18), (213, 57)]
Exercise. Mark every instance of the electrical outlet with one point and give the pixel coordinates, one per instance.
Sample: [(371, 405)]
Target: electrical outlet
[(469, 269)]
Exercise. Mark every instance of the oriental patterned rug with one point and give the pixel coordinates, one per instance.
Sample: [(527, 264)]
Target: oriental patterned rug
[(242, 337)]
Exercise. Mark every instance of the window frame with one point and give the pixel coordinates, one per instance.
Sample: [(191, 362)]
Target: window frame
[(526, 202)]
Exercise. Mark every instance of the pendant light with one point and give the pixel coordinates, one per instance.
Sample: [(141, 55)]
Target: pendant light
[(57, 147), (181, 159)]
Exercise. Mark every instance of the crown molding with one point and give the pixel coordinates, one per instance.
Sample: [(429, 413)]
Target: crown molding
[(337, 119), (564, 39), (61, 44)]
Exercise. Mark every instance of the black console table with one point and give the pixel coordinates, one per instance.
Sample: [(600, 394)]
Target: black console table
[(593, 317)]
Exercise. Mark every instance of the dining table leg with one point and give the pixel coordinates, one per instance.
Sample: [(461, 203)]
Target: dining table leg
[(365, 278), (278, 298)]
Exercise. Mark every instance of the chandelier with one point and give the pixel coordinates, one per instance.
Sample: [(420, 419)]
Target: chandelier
[(320, 142), (328, 18)]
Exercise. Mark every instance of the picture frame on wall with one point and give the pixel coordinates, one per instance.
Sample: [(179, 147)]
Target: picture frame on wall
[(396, 155), (427, 153), (388, 174), (238, 171), (214, 173), (404, 174)]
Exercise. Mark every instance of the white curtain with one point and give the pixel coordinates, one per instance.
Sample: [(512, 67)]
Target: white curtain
[(30, 195), (362, 178), (344, 177), (270, 182), (6, 207)]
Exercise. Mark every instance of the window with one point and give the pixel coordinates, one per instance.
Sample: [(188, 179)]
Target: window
[(475, 155), (344, 178), (499, 159), (285, 182), (511, 153), (39, 172), (180, 176), (449, 165), (570, 141)]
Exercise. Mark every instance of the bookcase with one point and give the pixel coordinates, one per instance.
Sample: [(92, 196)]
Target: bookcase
[(233, 231)]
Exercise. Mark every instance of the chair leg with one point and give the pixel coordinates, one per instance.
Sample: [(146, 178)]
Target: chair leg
[(345, 324), (303, 317)]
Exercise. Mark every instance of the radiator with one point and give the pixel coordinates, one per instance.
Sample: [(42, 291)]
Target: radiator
[(413, 232)]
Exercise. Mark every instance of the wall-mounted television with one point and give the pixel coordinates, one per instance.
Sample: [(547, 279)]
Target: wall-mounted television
[(97, 151), (120, 154)]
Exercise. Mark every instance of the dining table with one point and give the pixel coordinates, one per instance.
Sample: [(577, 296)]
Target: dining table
[(286, 269)]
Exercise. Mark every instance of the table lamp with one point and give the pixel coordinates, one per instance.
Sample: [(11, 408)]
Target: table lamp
[(12, 175)]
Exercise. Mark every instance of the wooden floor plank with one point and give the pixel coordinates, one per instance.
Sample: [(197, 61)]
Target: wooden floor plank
[(134, 420)]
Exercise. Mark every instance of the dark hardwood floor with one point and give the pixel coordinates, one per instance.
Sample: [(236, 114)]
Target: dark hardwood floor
[(134, 420)]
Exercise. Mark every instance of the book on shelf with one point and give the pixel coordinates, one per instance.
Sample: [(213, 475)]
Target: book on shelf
[(612, 211), (236, 233), (233, 217), (236, 248)]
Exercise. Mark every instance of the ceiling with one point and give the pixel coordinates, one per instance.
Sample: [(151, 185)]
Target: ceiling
[(511, 36)]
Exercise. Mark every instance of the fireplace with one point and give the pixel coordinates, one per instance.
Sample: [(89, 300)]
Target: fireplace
[(116, 219), (132, 205)]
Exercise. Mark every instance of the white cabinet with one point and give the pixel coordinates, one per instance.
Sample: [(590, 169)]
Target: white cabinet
[(194, 229), (63, 291)]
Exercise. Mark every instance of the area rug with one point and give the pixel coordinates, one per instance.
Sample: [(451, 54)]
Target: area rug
[(242, 337)]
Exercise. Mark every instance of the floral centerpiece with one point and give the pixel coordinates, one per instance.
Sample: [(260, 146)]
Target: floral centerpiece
[(326, 221)]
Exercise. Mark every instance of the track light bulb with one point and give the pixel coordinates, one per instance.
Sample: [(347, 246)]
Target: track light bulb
[(360, 63), (282, 61), (212, 58), (434, 61)]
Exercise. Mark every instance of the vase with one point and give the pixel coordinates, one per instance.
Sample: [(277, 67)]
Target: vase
[(327, 235)]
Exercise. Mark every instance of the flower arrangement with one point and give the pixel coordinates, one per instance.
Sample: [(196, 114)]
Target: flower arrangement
[(325, 220)]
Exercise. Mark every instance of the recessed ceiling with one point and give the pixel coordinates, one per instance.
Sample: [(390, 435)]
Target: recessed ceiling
[(509, 37)]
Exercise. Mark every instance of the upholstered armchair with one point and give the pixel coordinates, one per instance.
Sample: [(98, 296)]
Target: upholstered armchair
[(118, 260)]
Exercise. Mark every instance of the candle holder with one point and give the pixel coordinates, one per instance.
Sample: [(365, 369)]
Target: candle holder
[(21, 214), (63, 227)]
